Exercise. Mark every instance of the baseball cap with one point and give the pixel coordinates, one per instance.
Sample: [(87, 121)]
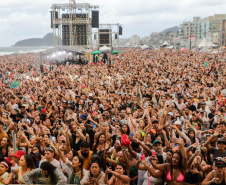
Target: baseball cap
[(155, 121), (177, 123), (170, 113), (49, 149), (156, 141), (220, 163), (221, 141), (83, 116), (180, 97)]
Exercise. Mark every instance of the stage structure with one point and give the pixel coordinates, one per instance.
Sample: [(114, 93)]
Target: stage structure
[(72, 23), (108, 35)]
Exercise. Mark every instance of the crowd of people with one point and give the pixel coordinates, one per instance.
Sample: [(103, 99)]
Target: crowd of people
[(149, 117)]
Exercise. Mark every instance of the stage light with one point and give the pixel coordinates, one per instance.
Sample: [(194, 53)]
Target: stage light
[(47, 56), (54, 55), (70, 53), (63, 52)]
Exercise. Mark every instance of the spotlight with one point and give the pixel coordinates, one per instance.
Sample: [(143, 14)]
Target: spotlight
[(70, 53), (47, 56)]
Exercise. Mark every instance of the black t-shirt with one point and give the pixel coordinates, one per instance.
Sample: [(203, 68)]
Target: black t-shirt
[(192, 108), (102, 110)]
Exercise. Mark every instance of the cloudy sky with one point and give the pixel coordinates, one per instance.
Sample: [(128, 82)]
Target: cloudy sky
[(22, 19)]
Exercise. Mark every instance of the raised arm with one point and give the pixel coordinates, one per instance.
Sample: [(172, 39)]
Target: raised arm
[(124, 178), (161, 167), (207, 143), (183, 152), (192, 158), (151, 171), (131, 118)]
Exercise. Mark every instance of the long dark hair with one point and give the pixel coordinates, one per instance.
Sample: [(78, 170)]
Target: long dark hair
[(38, 147), (29, 161), (189, 131), (124, 168), (128, 129), (160, 158), (81, 160), (50, 168), (97, 143), (180, 163)]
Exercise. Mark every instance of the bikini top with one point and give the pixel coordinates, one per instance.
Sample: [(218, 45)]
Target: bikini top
[(179, 179)]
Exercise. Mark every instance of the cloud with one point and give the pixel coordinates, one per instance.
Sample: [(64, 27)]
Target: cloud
[(21, 19)]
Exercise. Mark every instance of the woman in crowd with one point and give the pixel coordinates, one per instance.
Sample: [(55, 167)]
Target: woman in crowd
[(119, 175), (176, 170), (26, 164), (217, 176), (95, 176), (5, 176), (46, 174), (152, 176), (76, 172)]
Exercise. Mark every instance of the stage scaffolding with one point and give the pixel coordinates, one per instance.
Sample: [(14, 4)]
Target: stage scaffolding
[(72, 9)]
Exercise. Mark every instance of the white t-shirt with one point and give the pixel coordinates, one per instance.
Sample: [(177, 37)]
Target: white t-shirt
[(54, 163)]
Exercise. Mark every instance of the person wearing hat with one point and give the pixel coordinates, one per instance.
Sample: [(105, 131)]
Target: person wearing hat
[(16, 159), (180, 103), (157, 146), (49, 157), (218, 175), (83, 117), (220, 151)]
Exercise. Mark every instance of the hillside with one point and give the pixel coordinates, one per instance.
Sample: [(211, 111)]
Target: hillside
[(174, 30), (47, 40)]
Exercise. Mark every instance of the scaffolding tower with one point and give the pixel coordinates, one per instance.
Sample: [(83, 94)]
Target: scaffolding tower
[(111, 32), (74, 21)]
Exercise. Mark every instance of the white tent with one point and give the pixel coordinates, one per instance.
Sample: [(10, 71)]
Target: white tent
[(170, 47), (205, 43), (165, 43), (105, 48), (144, 46)]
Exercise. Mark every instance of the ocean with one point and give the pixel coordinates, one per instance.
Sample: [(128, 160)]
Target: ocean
[(21, 50)]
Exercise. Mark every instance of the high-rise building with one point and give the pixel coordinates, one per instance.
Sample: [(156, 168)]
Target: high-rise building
[(209, 27), (135, 40)]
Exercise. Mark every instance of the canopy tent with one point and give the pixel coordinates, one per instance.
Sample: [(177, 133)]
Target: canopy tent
[(170, 47), (144, 46), (96, 52), (205, 43), (115, 52), (60, 53), (105, 49), (165, 43)]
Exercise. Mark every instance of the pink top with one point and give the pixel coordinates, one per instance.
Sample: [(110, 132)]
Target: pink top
[(179, 179)]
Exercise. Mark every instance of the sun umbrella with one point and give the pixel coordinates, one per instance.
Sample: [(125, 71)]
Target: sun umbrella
[(114, 52), (122, 51), (96, 52), (184, 49)]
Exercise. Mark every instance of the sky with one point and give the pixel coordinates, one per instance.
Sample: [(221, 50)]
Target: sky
[(23, 19)]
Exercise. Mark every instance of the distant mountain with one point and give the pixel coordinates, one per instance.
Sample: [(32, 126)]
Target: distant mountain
[(47, 40), (174, 30)]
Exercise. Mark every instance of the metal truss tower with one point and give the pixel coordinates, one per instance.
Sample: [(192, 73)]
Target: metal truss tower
[(73, 21)]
